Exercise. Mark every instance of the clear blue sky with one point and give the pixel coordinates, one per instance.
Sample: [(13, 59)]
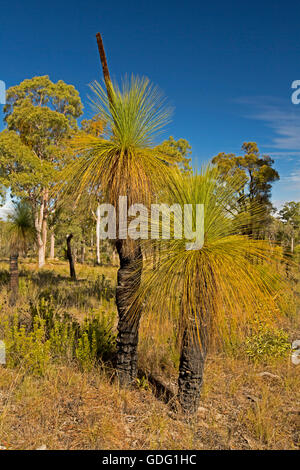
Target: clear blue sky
[(226, 66)]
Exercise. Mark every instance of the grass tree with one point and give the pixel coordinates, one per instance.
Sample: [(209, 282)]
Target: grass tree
[(21, 232), (124, 162), (214, 291)]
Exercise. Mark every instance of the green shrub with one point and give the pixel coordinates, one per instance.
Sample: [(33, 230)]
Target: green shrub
[(86, 351), (53, 336), (100, 329), (62, 336), (45, 308), (267, 344), (29, 349)]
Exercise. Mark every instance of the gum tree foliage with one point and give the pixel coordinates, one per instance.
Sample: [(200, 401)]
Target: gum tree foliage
[(256, 174), (40, 116), (290, 216), (180, 151)]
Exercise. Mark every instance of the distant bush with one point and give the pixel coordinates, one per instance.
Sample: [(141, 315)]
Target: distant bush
[(45, 308), (267, 344), (85, 295)]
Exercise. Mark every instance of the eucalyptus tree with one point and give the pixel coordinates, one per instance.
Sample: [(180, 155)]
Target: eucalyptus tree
[(21, 232), (40, 115), (181, 152), (257, 173)]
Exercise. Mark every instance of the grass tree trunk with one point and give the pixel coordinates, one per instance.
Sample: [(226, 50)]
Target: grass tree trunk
[(14, 278), (70, 257), (129, 278), (192, 360)]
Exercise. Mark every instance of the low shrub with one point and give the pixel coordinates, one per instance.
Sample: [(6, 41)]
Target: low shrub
[(267, 344), (29, 349), (50, 336)]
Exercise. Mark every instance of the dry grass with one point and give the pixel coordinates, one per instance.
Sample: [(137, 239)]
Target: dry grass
[(70, 409)]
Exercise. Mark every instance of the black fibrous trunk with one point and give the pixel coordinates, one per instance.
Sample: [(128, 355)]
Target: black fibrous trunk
[(70, 257), (129, 278), (192, 361)]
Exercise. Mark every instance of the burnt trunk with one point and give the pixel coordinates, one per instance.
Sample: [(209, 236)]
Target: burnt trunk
[(14, 278), (192, 360), (70, 257), (129, 278)]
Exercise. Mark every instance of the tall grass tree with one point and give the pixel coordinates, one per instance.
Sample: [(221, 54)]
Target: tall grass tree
[(123, 162), (214, 293)]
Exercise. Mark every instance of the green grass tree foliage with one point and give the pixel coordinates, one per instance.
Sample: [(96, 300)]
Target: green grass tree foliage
[(124, 162), (40, 116), (21, 232), (213, 293)]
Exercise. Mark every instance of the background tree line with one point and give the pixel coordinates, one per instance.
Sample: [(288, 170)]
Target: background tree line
[(41, 117)]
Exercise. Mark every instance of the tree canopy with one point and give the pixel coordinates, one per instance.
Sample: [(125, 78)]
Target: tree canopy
[(40, 117), (255, 171)]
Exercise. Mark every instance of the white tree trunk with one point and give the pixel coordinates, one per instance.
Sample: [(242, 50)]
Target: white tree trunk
[(41, 254), (41, 231), (98, 235), (52, 245), (38, 226)]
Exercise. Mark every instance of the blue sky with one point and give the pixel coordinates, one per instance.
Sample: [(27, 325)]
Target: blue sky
[(226, 67)]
